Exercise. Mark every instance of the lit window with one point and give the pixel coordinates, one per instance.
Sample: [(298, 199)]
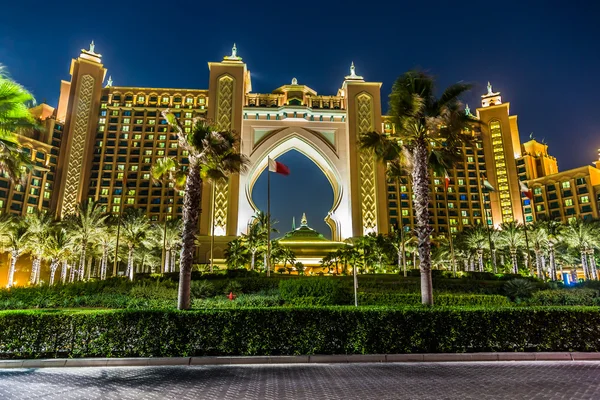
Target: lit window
[(125, 128), (566, 184), (461, 181), (188, 115), (464, 213), (189, 100), (470, 159), (436, 181), (146, 176), (120, 175), (452, 221), (137, 137), (201, 100), (30, 209), (188, 122), (102, 121), (116, 208), (130, 200), (141, 99), (147, 152), (568, 202), (46, 195), (139, 121), (147, 160), (116, 200), (465, 221), (120, 167), (537, 190), (149, 137), (450, 205), (187, 130), (165, 99), (126, 120), (151, 121), (584, 199), (404, 213), (104, 192)]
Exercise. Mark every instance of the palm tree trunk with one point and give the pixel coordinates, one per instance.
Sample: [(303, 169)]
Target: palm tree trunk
[(130, 265), (11, 270), (466, 264), (34, 270), (494, 264), (72, 274), (53, 268), (173, 269), (82, 262), (584, 264), (592, 265), (538, 266), (89, 267), (191, 212), (252, 261), (104, 263), (552, 263), (63, 271), (515, 262), (420, 177), (480, 259)]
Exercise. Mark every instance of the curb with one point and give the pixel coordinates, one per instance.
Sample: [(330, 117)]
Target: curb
[(311, 359)]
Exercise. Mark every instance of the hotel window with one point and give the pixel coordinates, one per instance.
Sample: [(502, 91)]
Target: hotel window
[(450, 205), (452, 221), (116, 200), (173, 145), (201, 100), (126, 120), (146, 176), (125, 128), (568, 202), (116, 208), (147, 152), (165, 99), (46, 195), (160, 152), (436, 181), (188, 122), (465, 221), (30, 209), (151, 122), (566, 184), (141, 99), (188, 115), (133, 168), (130, 200), (139, 121), (464, 213), (584, 199), (537, 190), (147, 160), (404, 213), (149, 137), (189, 100), (114, 112)]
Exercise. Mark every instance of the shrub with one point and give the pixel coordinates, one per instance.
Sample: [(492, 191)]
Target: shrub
[(565, 297), (202, 289), (441, 299), (328, 290), (519, 288), (280, 331), (233, 287), (149, 290)]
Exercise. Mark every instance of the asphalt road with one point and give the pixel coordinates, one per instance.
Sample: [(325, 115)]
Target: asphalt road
[(475, 380)]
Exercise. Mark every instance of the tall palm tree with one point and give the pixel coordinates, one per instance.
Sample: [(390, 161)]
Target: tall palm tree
[(511, 237), (136, 226), (476, 239), (84, 227), (13, 237), (212, 155), (582, 236), (555, 230), (15, 101), (39, 226), (57, 250), (429, 134), (106, 242), (169, 236), (538, 237), (167, 171), (236, 254)]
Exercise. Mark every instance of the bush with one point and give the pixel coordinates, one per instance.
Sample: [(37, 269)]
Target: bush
[(202, 289), (519, 288), (442, 299), (565, 297), (328, 290), (233, 287), (287, 331)]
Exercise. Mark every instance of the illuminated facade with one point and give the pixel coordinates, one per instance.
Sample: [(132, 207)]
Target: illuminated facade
[(101, 141)]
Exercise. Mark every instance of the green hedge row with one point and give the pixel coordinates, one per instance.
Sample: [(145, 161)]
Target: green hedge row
[(441, 299), (285, 331)]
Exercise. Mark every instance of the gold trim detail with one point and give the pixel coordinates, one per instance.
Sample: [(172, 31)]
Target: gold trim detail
[(80, 130), (224, 121), (364, 112)]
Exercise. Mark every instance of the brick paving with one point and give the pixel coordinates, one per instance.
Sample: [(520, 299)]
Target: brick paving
[(469, 380)]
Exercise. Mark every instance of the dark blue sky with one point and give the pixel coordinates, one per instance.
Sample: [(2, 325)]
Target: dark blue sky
[(543, 56)]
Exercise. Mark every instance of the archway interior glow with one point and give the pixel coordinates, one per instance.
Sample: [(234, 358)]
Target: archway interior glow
[(306, 189)]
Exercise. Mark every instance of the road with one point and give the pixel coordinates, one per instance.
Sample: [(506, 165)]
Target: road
[(481, 380)]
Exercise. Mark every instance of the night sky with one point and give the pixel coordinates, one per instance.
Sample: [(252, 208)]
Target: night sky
[(543, 56)]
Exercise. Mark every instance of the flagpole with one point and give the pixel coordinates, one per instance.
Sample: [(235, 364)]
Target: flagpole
[(268, 266)]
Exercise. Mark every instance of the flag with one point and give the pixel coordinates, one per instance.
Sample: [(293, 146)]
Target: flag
[(526, 191), (446, 181), (277, 167), (486, 184)]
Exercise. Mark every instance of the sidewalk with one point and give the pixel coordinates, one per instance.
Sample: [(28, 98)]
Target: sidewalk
[(325, 359)]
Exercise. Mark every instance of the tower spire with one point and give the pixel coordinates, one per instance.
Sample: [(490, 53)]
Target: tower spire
[(233, 56), (293, 223), (109, 83), (303, 221)]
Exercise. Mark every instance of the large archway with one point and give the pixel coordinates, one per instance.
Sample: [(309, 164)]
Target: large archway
[(319, 150), (305, 190)]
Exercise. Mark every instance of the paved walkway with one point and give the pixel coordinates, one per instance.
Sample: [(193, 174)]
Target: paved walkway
[(469, 380)]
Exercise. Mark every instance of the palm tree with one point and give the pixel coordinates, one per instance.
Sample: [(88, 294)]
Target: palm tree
[(13, 236), (539, 238), (236, 254), (582, 236), (554, 229), (57, 249), (14, 117), (212, 155), (476, 239), (167, 171), (511, 237), (84, 227), (288, 256), (106, 241), (39, 226), (136, 226), (256, 237), (429, 134), (168, 236)]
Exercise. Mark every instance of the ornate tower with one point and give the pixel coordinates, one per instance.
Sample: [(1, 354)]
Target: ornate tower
[(79, 106), (228, 83), (367, 179), (501, 146)]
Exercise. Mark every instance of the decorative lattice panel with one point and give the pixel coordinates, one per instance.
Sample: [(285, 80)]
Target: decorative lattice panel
[(364, 112), (75, 163), (224, 119)]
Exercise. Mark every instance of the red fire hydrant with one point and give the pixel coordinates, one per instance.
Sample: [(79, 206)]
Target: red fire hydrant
[(231, 296)]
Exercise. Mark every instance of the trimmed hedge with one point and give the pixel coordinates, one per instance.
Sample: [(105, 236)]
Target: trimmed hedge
[(284, 331), (442, 299), (565, 297)]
